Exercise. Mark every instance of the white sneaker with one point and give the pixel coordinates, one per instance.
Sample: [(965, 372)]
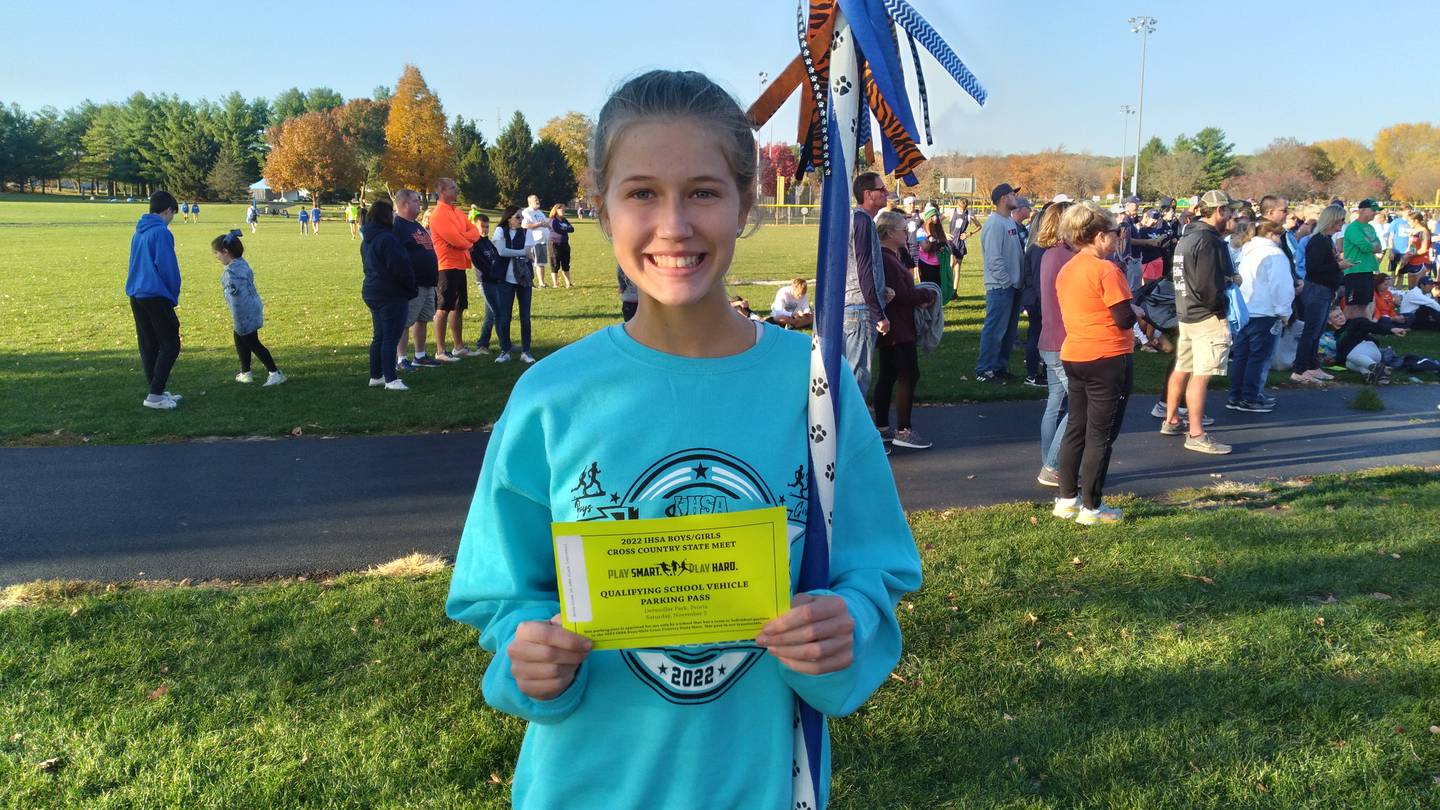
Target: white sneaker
[(175, 398), (376, 382), (396, 385), (244, 377), (274, 378), (461, 351), (446, 357), (161, 404), (526, 358), (1066, 508), (503, 358), (480, 350), (1105, 514)]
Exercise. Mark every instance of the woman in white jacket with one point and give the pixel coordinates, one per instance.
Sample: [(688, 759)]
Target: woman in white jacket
[(1269, 292)]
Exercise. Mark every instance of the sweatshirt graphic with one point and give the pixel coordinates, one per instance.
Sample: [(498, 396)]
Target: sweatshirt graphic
[(154, 271), (695, 726)]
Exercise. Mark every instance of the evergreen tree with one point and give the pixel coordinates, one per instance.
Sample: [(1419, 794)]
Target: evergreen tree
[(320, 99), (237, 126), (472, 164), (228, 179), (1217, 155), (510, 161), (550, 174), (184, 151)]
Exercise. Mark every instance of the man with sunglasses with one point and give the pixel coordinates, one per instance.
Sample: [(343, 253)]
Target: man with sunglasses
[(864, 284)]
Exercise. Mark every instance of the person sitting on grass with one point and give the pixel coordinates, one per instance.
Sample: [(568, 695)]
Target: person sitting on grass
[(1419, 306), (247, 312), (1339, 346), (153, 286), (742, 308), (790, 308)]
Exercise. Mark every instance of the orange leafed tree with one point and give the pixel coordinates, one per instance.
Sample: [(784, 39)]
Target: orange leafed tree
[(1407, 148), (308, 152), (417, 142)]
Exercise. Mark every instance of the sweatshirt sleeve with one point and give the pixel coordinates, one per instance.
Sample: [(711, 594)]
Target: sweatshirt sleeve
[(992, 245), (168, 267), (1208, 267), (863, 242), (505, 567), (873, 562), (397, 263)]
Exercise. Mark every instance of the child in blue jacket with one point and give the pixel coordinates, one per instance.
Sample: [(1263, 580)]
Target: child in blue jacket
[(153, 286), (247, 312)]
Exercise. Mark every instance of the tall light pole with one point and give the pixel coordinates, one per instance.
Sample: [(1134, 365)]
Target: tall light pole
[(1144, 26), (760, 147), (1126, 110)]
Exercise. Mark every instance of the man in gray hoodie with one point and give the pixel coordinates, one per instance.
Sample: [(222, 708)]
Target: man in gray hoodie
[(1004, 271)]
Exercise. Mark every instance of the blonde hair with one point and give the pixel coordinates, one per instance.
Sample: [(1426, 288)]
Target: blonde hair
[(799, 286), (888, 221), (1266, 229), (1330, 216), (1048, 234), (556, 209), (1083, 221), (676, 94)]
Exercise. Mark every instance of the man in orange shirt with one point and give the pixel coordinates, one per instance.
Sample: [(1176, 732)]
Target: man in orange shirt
[(453, 234)]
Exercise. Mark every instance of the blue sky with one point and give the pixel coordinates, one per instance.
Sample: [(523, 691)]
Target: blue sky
[(1057, 72)]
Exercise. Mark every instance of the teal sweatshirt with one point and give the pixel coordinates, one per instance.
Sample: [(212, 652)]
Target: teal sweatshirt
[(608, 429)]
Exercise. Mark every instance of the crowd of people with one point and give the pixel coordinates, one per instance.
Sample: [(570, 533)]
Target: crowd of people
[(415, 262), (1231, 288)]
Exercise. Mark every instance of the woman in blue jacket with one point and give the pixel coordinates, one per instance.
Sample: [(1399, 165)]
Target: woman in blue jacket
[(389, 286)]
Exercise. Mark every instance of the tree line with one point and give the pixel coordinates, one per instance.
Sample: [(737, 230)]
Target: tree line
[(1401, 163), (314, 140)]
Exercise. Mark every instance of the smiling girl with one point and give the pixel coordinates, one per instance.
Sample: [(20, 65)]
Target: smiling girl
[(685, 409)]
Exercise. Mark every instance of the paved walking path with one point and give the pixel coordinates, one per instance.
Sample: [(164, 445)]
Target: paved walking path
[(243, 509)]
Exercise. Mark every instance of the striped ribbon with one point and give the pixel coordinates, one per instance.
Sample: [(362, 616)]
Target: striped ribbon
[(920, 85), (862, 74)]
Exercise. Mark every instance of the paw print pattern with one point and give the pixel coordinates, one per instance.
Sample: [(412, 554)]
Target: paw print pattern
[(814, 343), (842, 86), (818, 387), (802, 805), (794, 769), (817, 434), (830, 471)]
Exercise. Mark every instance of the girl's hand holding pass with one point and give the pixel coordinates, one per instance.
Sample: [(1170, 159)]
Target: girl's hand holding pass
[(544, 657), (816, 636)]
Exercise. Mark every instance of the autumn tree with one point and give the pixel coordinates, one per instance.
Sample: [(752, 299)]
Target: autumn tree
[(1418, 184), (776, 158), (1406, 149), (1346, 153), (417, 147), (362, 123), (1175, 174), (571, 132), (308, 152)]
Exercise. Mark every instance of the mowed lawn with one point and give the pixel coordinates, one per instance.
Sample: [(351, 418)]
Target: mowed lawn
[(1244, 647), (70, 372)]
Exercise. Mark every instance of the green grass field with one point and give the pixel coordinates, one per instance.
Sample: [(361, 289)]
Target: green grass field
[(69, 369), (1242, 647)]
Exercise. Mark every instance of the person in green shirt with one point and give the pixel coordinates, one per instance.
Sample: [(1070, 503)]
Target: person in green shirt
[(352, 216), (1360, 247)]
